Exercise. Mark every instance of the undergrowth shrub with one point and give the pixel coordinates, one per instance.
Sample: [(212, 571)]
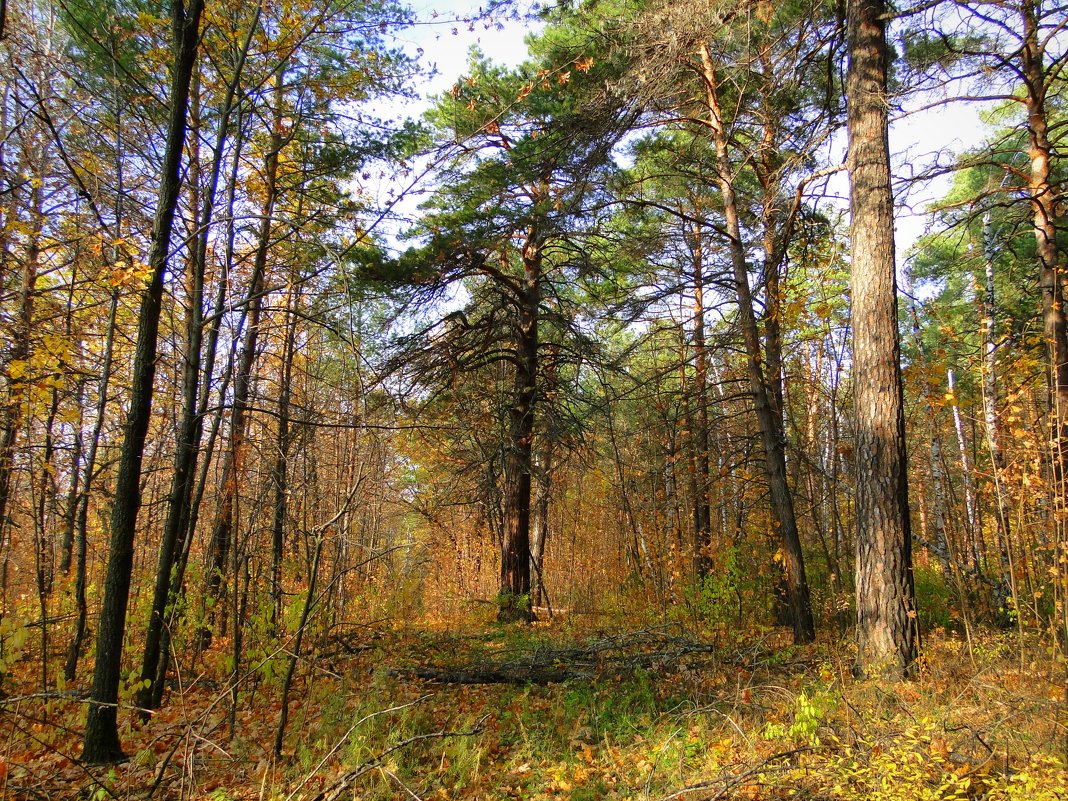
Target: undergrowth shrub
[(736, 583), (934, 599), (811, 709), (917, 766)]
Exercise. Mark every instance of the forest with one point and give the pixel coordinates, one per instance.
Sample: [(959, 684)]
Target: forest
[(676, 409)]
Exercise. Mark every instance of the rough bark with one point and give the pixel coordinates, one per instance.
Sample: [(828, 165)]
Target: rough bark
[(543, 474), (885, 597), (1044, 214), (515, 548)]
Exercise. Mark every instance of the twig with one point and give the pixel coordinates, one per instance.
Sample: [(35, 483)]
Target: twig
[(65, 695), (51, 747), (737, 779), (334, 791), (412, 794), (344, 738)]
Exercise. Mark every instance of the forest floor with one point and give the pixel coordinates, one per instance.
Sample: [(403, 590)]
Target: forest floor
[(573, 711)]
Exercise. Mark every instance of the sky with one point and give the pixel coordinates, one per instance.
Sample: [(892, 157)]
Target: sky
[(441, 41), (445, 43)]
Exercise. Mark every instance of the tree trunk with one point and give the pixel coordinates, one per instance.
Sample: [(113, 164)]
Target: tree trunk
[(991, 427), (101, 743), (1044, 215), (540, 526), (934, 512), (886, 616), (971, 514), (543, 473), (702, 510), (223, 529), (191, 424), (81, 514), (280, 473), (515, 550), (188, 525), (693, 484), (771, 434), (15, 367), (70, 516), (291, 667)]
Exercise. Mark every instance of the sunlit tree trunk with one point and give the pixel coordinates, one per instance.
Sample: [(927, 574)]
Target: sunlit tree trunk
[(1043, 196), (971, 514), (885, 602), (771, 434), (991, 423), (543, 473)]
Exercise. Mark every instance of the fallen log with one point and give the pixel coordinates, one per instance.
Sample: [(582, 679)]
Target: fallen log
[(493, 675)]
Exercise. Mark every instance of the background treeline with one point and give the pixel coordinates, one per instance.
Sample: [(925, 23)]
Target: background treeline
[(605, 367)]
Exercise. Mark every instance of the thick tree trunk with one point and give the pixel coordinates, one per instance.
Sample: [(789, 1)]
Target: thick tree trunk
[(1044, 215), (515, 548), (886, 606), (771, 434), (540, 522), (774, 375), (101, 743)]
